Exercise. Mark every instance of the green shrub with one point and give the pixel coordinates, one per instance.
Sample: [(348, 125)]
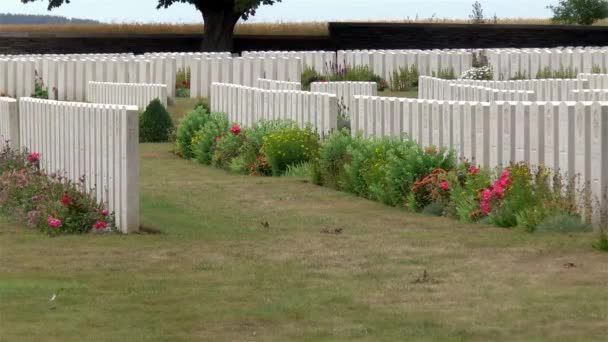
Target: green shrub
[(384, 169), (310, 75), (408, 163), (187, 129), (227, 148), (203, 102), (519, 196), (404, 79), (333, 155), (289, 146), (466, 184), (206, 139), (254, 160), (155, 123)]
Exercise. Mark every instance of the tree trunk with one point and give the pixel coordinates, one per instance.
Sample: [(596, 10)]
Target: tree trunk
[(219, 29)]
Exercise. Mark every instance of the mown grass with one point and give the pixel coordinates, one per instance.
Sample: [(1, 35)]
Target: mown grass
[(313, 28), (217, 273), (243, 258)]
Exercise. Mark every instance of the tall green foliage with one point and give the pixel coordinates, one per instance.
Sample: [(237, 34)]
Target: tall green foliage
[(155, 123)]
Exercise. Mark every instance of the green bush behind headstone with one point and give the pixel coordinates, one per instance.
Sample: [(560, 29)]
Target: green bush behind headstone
[(155, 123)]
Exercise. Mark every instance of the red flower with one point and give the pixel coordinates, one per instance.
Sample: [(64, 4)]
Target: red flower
[(235, 130), (100, 225), (445, 185), (67, 200), (473, 170), (105, 213), (33, 157), (54, 222)]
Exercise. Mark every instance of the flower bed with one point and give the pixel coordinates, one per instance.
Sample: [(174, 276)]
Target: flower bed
[(394, 171), (49, 203)]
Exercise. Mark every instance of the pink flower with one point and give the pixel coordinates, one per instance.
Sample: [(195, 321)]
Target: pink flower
[(505, 174), (54, 222), (100, 225), (33, 157), (473, 170), (445, 185), (499, 191), (105, 213), (486, 195), (235, 130), (504, 182), (485, 208), (217, 139), (35, 198)]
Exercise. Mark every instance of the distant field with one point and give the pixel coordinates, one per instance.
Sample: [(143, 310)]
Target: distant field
[(277, 28)]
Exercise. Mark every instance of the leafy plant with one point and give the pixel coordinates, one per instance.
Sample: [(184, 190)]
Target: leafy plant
[(289, 146), (310, 75), (40, 91), (182, 83), (155, 123), (227, 148), (561, 73), (250, 155), (302, 170), (188, 128), (333, 155), (445, 73), (207, 138), (49, 203), (404, 79)]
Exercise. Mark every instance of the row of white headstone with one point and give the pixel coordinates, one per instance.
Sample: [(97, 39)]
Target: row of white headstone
[(248, 105), (384, 62), (589, 95), (66, 79), (92, 142), (345, 91), (134, 94), (242, 70), (267, 84), (463, 92), (321, 61), (544, 89), (571, 137), (526, 63), (596, 81)]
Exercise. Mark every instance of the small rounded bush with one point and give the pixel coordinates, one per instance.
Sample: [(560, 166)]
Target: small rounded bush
[(187, 129), (155, 123)]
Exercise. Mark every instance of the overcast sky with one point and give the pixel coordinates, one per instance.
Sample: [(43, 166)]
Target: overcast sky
[(289, 10)]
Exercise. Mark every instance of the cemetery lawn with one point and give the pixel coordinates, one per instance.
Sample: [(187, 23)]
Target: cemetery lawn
[(241, 258)]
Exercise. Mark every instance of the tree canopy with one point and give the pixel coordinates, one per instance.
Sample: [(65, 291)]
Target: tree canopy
[(582, 12)]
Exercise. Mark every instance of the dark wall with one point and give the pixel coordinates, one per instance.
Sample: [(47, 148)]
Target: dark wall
[(435, 36), (19, 43), (342, 36)]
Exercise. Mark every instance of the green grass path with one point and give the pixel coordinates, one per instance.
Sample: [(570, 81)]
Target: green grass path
[(216, 273)]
